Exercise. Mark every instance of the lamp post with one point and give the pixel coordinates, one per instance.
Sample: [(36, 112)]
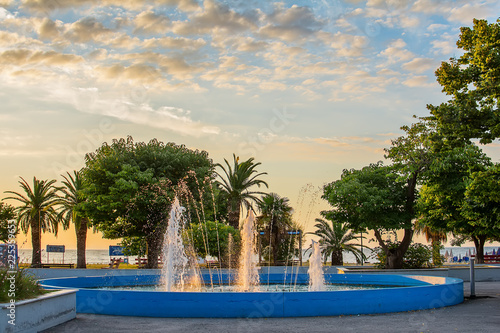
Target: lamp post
[(362, 253)]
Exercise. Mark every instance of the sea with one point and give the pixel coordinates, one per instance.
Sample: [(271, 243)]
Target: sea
[(103, 257)]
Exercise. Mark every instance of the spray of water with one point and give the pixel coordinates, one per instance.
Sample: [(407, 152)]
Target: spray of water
[(316, 275), (178, 272), (248, 275)]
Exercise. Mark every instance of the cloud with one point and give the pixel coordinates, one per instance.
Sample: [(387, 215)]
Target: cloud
[(272, 86), (444, 46), (138, 72), (419, 65), (214, 16), (291, 24), (86, 30), (6, 3), (418, 81), (48, 6), (468, 12), (347, 45), (175, 43), (396, 52), (48, 29), (22, 57), (148, 22)]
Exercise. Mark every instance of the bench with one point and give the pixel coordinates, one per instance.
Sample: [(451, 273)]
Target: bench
[(490, 258), (213, 264), (141, 262), (57, 265)]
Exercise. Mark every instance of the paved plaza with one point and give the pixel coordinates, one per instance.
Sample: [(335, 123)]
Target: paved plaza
[(481, 314)]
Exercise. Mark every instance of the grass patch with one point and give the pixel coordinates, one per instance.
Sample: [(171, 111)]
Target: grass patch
[(19, 285)]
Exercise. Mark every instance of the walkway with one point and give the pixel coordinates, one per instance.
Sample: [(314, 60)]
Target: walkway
[(478, 315)]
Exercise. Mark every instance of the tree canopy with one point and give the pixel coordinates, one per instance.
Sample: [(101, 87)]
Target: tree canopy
[(377, 198), (235, 183), (130, 187), (473, 82), (443, 203)]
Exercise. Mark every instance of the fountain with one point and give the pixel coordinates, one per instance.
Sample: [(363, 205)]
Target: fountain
[(179, 272), (248, 275), (107, 295), (316, 275)]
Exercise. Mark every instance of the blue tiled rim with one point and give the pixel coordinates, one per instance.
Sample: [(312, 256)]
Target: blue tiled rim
[(406, 293)]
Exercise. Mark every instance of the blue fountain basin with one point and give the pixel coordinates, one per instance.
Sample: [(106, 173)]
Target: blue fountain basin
[(403, 293)]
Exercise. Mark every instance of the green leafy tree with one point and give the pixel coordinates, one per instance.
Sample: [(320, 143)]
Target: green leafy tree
[(374, 198), (473, 83), (482, 200), (276, 221), (72, 198), (130, 187), (6, 213), (335, 238), (436, 237), (37, 212), (442, 198), (212, 238), (236, 182)]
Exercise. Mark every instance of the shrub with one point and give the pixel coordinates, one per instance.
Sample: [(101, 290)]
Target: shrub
[(25, 285), (417, 256)]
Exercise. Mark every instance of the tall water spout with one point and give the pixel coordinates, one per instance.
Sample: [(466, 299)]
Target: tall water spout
[(316, 275), (177, 273), (248, 275)]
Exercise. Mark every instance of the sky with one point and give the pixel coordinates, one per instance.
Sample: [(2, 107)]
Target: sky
[(307, 88)]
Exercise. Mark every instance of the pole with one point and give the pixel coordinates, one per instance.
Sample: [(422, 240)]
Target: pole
[(362, 254), (472, 280), (300, 248)]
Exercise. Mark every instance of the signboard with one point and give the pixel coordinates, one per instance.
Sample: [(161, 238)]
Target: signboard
[(8, 256), (295, 232), (115, 250), (56, 248)]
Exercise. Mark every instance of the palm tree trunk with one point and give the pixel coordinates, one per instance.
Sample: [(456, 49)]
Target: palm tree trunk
[(36, 243), (81, 240), (233, 215), (275, 245), (337, 258)]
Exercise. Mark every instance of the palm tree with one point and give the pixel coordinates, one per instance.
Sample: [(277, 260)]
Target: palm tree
[(70, 201), (436, 237), (236, 185), (335, 238), (276, 218), (37, 211)]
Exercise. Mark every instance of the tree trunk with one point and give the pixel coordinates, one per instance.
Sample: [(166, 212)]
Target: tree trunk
[(154, 243), (337, 258), (233, 215), (479, 244), (275, 245), (81, 240), (394, 257), (36, 243)]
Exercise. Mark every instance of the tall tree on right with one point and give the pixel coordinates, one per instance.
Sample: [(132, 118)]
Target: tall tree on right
[(442, 202), (473, 82), (236, 183)]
